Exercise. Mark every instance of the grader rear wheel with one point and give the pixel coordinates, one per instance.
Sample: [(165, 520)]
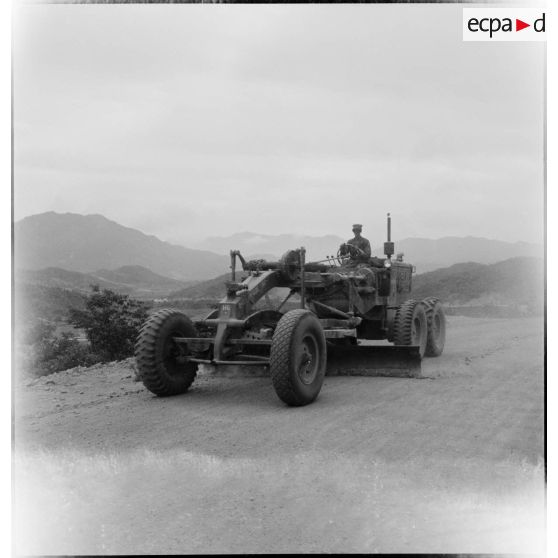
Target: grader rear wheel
[(410, 325), (436, 323), (298, 358)]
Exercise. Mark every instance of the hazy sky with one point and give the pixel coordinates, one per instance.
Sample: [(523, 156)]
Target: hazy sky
[(198, 120)]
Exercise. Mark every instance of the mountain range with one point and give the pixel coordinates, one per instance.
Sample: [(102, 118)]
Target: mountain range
[(427, 254), (89, 243), (133, 280), (515, 281)]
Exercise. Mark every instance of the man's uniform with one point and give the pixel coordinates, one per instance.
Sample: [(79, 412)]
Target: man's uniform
[(362, 243)]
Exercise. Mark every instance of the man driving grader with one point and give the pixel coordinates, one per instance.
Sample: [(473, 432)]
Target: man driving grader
[(361, 243), (358, 250)]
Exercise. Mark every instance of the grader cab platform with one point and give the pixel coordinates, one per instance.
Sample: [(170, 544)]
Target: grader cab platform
[(345, 302)]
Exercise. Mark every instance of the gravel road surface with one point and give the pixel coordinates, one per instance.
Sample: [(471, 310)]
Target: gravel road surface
[(448, 463)]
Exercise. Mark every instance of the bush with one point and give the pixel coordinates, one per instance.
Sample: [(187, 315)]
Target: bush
[(61, 353), (46, 352), (111, 322)]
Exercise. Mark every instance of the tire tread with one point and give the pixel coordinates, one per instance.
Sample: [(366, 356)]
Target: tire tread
[(280, 357), (430, 303), (403, 322), (150, 366)]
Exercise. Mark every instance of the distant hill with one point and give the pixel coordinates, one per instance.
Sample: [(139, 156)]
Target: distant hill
[(61, 278), (513, 282), (49, 303), (49, 293), (136, 281), (141, 279), (210, 289), (86, 243), (427, 254)]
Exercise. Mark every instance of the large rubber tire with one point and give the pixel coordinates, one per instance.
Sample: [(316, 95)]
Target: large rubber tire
[(157, 355), (298, 358), (436, 324), (410, 325)]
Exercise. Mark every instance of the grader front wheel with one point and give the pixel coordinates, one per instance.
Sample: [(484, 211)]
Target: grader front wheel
[(161, 362), (298, 358)]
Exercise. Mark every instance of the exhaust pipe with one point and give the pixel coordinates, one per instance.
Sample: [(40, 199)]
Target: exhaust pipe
[(389, 247)]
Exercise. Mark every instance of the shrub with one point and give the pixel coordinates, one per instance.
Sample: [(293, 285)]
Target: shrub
[(44, 352), (61, 353), (111, 322)]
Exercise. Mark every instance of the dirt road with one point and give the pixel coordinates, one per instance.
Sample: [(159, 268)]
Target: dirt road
[(451, 463)]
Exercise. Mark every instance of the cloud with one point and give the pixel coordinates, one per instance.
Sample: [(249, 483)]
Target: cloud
[(286, 118)]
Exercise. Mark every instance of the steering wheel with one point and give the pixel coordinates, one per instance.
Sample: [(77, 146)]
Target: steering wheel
[(349, 250)]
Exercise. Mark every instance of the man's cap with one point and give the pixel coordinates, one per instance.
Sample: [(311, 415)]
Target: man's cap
[(357, 226)]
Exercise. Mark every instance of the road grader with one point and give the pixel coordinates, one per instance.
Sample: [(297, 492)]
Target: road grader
[(352, 311)]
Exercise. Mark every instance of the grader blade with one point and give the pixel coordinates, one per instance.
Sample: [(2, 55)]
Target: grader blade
[(374, 360)]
